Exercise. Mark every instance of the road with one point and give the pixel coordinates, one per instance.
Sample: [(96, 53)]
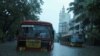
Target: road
[(9, 49)]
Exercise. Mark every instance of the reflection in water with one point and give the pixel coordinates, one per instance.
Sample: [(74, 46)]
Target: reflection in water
[(9, 49), (55, 52), (34, 53)]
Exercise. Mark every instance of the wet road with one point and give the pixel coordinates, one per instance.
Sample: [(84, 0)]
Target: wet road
[(9, 49)]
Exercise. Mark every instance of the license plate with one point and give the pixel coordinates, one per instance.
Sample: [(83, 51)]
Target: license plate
[(33, 43)]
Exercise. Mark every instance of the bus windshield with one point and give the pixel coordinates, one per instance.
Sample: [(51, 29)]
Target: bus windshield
[(35, 31)]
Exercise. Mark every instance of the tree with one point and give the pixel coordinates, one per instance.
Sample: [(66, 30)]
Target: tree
[(14, 11), (90, 10)]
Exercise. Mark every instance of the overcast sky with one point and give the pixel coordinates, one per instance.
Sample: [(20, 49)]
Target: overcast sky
[(51, 10)]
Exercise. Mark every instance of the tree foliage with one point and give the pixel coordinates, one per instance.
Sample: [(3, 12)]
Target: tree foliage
[(91, 13), (14, 11)]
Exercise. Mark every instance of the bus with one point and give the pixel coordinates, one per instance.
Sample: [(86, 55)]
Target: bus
[(77, 40), (65, 39), (35, 35), (72, 40)]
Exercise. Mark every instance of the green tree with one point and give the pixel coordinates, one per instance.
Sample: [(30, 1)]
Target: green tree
[(14, 11), (90, 15)]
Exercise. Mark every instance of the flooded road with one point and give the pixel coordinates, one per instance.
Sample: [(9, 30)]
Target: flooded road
[(9, 49)]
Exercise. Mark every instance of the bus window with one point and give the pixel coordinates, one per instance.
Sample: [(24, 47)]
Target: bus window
[(30, 31)]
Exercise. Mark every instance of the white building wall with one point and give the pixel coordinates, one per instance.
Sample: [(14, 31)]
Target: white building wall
[(64, 19)]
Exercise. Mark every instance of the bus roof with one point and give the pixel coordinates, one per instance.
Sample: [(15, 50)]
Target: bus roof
[(35, 22)]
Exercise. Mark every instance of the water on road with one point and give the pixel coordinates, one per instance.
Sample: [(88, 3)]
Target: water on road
[(9, 49)]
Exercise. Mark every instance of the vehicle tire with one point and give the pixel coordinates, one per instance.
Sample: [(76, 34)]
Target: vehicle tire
[(50, 47)]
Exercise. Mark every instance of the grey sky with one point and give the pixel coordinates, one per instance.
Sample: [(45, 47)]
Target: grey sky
[(51, 10)]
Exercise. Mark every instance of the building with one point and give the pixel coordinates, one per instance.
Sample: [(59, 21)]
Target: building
[(63, 22), (77, 23)]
